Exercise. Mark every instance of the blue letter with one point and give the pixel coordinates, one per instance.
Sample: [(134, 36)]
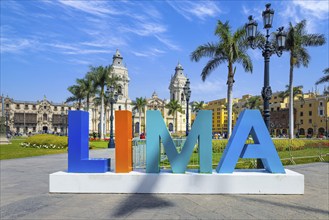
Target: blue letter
[(156, 130), (78, 155), (250, 122)]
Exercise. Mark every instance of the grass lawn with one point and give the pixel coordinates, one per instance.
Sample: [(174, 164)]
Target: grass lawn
[(14, 150)]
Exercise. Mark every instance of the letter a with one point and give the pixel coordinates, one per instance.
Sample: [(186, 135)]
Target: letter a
[(250, 122)]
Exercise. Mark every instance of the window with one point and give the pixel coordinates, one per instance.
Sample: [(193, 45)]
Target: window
[(310, 121), (17, 106), (272, 109), (44, 107), (310, 105), (26, 107), (70, 108), (34, 129), (34, 107), (321, 104), (301, 121), (310, 113), (45, 117), (7, 105), (301, 113), (278, 108), (321, 112), (55, 108), (301, 106), (62, 108)]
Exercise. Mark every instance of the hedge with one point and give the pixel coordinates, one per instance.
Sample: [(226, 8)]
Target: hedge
[(47, 141), (280, 144)]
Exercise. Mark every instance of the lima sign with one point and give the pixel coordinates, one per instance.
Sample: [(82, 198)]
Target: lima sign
[(250, 122)]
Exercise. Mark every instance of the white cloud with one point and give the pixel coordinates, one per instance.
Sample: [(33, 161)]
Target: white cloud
[(201, 10), (148, 53), (208, 90), (318, 9), (99, 8), (168, 43), (16, 45)]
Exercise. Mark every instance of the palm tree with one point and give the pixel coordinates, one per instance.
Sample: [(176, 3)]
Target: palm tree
[(174, 107), (78, 93), (230, 49), (296, 43), (87, 85), (197, 106), (140, 105), (254, 102), (325, 78), (100, 76), (297, 93)]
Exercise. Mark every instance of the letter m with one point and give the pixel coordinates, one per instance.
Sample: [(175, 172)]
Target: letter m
[(157, 131)]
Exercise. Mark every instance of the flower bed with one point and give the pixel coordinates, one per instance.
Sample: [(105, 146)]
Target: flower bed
[(46, 141)]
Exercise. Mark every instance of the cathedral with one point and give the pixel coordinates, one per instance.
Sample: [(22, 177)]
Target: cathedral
[(26, 117)]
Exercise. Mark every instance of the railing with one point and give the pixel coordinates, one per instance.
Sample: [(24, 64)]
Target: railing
[(288, 156)]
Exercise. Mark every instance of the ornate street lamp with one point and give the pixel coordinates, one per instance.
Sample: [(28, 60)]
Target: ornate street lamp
[(7, 128), (268, 48), (62, 122), (113, 98), (133, 123), (187, 93)]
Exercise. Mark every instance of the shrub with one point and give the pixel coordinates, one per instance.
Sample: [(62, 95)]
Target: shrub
[(46, 141)]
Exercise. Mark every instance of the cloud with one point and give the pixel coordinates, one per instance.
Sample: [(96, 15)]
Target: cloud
[(145, 28), (98, 8), (77, 49), (318, 9), (168, 43), (148, 53), (16, 45), (208, 90), (201, 10)]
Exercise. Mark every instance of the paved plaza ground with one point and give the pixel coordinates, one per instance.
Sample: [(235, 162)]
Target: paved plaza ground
[(24, 195)]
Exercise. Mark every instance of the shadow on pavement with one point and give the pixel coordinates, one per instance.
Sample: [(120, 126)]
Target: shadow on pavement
[(136, 202), (291, 206)]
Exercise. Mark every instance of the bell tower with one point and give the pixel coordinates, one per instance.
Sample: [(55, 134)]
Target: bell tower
[(119, 69), (177, 84)]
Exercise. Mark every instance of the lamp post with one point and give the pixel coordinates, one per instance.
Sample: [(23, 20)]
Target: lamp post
[(113, 98), (268, 49), (7, 118), (298, 129), (187, 93), (133, 123), (326, 118), (62, 123)]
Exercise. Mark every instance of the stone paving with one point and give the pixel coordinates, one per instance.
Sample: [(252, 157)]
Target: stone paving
[(24, 195)]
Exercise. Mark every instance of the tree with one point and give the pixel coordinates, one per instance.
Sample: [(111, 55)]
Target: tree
[(297, 93), (254, 102), (100, 76), (140, 105), (325, 78), (87, 84), (296, 43), (78, 93), (230, 49), (174, 107), (197, 106)]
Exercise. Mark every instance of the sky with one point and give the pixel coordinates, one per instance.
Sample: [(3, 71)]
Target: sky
[(47, 45)]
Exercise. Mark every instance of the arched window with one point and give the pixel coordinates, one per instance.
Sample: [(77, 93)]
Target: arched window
[(137, 127), (182, 97), (321, 131), (120, 90), (302, 131), (45, 117), (310, 131), (173, 96), (171, 127)]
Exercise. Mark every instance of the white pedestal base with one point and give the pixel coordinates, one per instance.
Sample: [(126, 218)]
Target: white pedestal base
[(239, 182)]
